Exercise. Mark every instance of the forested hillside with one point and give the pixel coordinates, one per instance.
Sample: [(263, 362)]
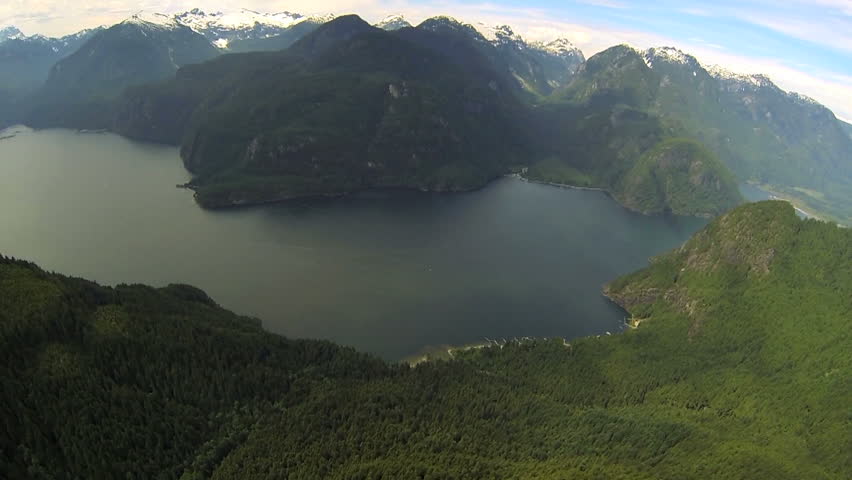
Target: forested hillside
[(737, 369), (680, 176), (102, 382), (347, 107), (785, 141), (434, 107)]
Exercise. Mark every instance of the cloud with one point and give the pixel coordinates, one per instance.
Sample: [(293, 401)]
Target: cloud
[(832, 32)]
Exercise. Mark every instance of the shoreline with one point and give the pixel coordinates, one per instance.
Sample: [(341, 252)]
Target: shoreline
[(795, 202), (447, 352), (224, 204), (555, 184)]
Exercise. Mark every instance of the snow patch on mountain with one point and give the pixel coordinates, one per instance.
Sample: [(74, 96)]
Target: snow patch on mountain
[(667, 55), (561, 47), (803, 99), (392, 22), (10, 33), (241, 19), (500, 34), (223, 27), (751, 80), (148, 20), (504, 35)]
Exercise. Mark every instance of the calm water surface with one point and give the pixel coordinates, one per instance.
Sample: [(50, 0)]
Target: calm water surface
[(389, 273)]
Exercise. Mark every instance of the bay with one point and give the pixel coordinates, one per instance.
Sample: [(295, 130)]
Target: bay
[(391, 273)]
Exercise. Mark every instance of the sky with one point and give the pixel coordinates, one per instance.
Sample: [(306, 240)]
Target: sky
[(803, 45)]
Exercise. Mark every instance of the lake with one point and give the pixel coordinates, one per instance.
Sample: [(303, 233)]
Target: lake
[(391, 273)]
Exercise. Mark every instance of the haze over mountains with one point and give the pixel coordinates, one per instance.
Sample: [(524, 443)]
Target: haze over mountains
[(548, 99)]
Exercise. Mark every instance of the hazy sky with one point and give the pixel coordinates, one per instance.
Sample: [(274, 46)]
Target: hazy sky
[(804, 45)]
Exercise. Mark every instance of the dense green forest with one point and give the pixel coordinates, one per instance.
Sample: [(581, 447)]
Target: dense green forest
[(347, 107), (738, 368), (680, 176)]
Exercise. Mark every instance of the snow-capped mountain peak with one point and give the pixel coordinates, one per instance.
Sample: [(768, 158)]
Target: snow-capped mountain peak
[(667, 55), (803, 99), (499, 34), (200, 20), (443, 21), (752, 80), (392, 22), (148, 20), (561, 47), (9, 33), (222, 27)]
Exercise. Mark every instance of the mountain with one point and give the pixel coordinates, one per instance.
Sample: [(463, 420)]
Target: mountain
[(10, 32), (568, 120), (539, 67), (247, 30), (25, 61), (392, 22), (760, 132), (351, 107), (846, 127), (142, 49), (347, 107), (679, 176), (532, 68), (735, 369), (98, 382)]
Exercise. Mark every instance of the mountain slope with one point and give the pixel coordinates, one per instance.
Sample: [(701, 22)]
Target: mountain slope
[(528, 68), (25, 62), (392, 22), (139, 50), (736, 370), (539, 67), (679, 176), (246, 30), (136, 51), (10, 32), (759, 131), (98, 382), (347, 107)]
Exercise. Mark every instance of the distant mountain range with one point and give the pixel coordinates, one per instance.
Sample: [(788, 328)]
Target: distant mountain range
[(26, 60), (564, 119)]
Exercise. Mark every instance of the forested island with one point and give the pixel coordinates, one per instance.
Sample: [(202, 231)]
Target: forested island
[(737, 370)]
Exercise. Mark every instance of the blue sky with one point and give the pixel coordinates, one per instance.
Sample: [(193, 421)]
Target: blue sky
[(803, 45)]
